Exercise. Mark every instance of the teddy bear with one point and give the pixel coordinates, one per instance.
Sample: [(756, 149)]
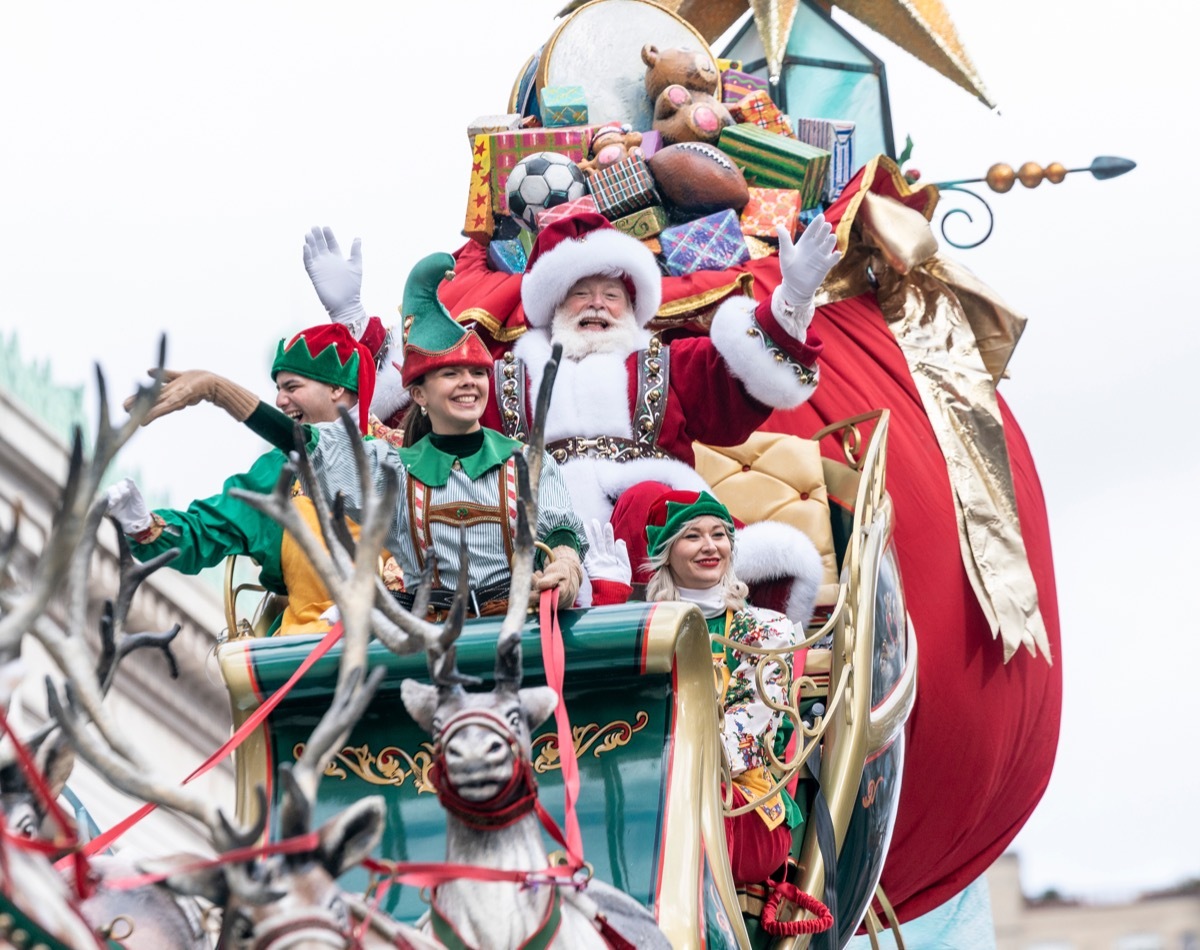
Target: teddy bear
[(682, 83), (610, 144)]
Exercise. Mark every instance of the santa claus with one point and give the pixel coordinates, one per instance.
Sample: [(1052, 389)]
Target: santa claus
[(627, 408)]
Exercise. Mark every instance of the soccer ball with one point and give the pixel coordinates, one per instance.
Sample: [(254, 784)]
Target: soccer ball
[(540, 181)]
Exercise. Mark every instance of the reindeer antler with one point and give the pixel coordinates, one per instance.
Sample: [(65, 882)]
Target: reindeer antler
[(65, 560), (529, 474)]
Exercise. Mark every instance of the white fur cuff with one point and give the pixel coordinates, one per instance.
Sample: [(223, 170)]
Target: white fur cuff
[(771, 550), (769, 374)]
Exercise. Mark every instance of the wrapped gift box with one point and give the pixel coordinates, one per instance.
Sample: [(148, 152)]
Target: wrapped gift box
[(758, 108), (562, 106), (836, 136), (508, 148), (479, 222), (759, 248), (776, 161), (770, 207), (714, 242), (565, 210), (486, 124), (809, 215), (735, 84), (651, 143), (644, 223), (508, 257), (526, 237), (624, 187)]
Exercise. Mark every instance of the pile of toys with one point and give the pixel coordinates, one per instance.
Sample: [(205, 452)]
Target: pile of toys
[(705, 188)]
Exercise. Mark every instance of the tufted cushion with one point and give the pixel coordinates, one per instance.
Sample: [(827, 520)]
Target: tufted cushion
[(774, 477)]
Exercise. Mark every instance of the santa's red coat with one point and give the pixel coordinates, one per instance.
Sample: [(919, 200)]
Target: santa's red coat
[(983, 734)]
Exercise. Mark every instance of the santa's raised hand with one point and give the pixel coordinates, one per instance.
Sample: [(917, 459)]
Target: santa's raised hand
[(336, 279), (803, 265)]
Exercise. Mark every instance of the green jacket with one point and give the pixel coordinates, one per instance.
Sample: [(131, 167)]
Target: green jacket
[(213, 528)]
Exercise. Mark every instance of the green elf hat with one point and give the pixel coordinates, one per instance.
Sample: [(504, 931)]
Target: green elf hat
[(329, 354), (672, 510), (433, 338)]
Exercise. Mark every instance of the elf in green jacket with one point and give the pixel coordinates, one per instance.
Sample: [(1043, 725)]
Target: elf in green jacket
[(455, 476), (316, 372)]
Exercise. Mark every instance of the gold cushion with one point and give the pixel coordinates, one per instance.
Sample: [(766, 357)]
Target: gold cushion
[(774, 477)]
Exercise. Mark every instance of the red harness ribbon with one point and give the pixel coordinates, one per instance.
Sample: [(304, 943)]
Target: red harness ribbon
[(69, 840), (102, 841), (554, 660)]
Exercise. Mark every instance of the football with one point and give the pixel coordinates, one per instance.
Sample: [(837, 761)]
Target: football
[(540, 181), (695, 178)]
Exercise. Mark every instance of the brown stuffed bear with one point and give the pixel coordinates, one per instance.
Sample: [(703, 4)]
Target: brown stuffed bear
[(610, 144), (683, 84)]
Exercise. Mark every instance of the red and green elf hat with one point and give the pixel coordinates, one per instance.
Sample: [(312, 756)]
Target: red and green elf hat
[(673, 510), (433, 338), (329, 354)]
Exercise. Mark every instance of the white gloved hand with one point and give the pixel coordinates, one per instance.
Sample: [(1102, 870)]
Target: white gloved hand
[(331, 615), (337, 280), (607, 559), (126, 504), (803, 266)]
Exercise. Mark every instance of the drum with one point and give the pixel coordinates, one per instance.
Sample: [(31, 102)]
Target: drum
[(599, 47)]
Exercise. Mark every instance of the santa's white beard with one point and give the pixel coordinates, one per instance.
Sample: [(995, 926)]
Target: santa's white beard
[(622, 337)]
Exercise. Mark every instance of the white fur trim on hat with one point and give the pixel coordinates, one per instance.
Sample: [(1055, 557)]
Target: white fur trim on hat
[(771, 550), (606, 252), (771, 382), (391, 397)]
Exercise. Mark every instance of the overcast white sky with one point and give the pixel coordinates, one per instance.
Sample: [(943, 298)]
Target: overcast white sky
[(163, 162)]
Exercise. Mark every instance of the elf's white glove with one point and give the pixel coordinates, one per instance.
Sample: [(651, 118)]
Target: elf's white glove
[(607, 559), (803, 266), (126, 504), (331, 615), (337, 280)]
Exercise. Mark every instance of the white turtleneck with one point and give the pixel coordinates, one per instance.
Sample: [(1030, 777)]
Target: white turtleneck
[(710, 600)]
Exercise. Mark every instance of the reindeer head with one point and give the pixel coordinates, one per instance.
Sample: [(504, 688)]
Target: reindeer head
[(482, 738), (288, 899)]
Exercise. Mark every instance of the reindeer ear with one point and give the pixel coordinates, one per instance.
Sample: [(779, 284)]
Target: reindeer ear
[(420, 699), (538, 703), (55, 760), (349, 836)]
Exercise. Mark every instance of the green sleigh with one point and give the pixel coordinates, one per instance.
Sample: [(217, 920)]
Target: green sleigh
[(638, 689)]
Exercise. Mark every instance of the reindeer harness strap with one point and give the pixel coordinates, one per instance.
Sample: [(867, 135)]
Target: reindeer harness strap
[(554, 661), (541, 938)]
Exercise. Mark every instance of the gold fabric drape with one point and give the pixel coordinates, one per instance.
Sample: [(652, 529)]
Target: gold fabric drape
[(957, 337)]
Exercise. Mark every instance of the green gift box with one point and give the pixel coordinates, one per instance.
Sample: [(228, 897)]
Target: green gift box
[(562, 105), (643, 223), (769, 160)]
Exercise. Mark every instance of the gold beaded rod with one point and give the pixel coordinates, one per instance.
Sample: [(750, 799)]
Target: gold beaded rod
[(1001, 177)]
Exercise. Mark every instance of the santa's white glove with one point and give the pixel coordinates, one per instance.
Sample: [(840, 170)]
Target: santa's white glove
[(803, 266), (126, 504), (607, 558), (336, 279)]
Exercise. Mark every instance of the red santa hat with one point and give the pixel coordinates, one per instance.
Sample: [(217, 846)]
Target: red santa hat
[(586, 245)]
